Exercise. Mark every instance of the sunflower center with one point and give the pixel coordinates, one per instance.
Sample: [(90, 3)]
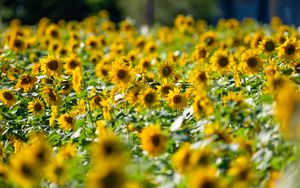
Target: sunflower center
[(52, 65), (252, 62), (243, 175), (166, 70), (146, 64), (37, 107), (69, 119), (41, 155), (54, 33), (202, 77), (26, 80), (223, 61), (58, 171), (202, 53), (155, 140), (97, 100), (7, 95), (177, 99), (166, 89), (108, 148), (199, 107), (104, 72), (110, 180), (93, 44), (209, 41), (26, 170), (208, 184), (269, 46), (73, 64), (18, 43), (52, 95), (290, 49), (149, 98), (277, 83), (122, 74)]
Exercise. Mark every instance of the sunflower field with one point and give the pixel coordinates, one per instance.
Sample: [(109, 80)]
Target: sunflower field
[(113, 105)]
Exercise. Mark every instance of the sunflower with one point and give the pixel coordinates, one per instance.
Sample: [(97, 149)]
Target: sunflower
[(165, 88), (57, 171), (267, 45), (149, 98), (205, 178), (120, 74), (202, 106), (17, 44), (167, 70), (66, 121), (53, 31), (241, 171), (200, 53), (182, 158), (289, 50), (209, 38), (95, 102), (144, 65), (39, 150), (51, 66), (72, 62), (66, 87), (26, 82), (24, 170), (133, 93), (109, 149), (176, 99), (222, 61), (251, 62), (50, 96), (36, 107), (8, 97), (102, 70), (199, 78), (106, 177), (92, 43), (153, 140)]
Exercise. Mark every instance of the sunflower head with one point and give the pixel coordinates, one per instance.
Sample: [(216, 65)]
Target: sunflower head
[(222, 61), (51, 66), (8, 97), (251, 62), (153, 140), (176, 99), (167, 70), (36, 107), (289, 50), (72, 62), (66, 121), (26, 82), (120, 74), (267, 45), (50, 96), (149, 98)]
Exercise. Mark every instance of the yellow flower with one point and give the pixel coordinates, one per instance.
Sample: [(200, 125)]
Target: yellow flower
[(105, 176), (167, 70), (241, 171), (66, 121), (72, 62), (199, 78), (95, 102), (57, 171), (209, 38), (153, 140), (289, 50), (205, 177), (120, 74), (202, 106), (182, 158), (176, 99), (8, 97), (26, 82), (51, 66), (251, 62), (165, 88), (36, 107), (51, 97), (200, 53), (54, 112), (267, 45), (149, 98), (222, 61), (102, 70)]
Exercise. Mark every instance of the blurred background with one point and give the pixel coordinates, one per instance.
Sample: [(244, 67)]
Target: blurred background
[(150, 11)]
